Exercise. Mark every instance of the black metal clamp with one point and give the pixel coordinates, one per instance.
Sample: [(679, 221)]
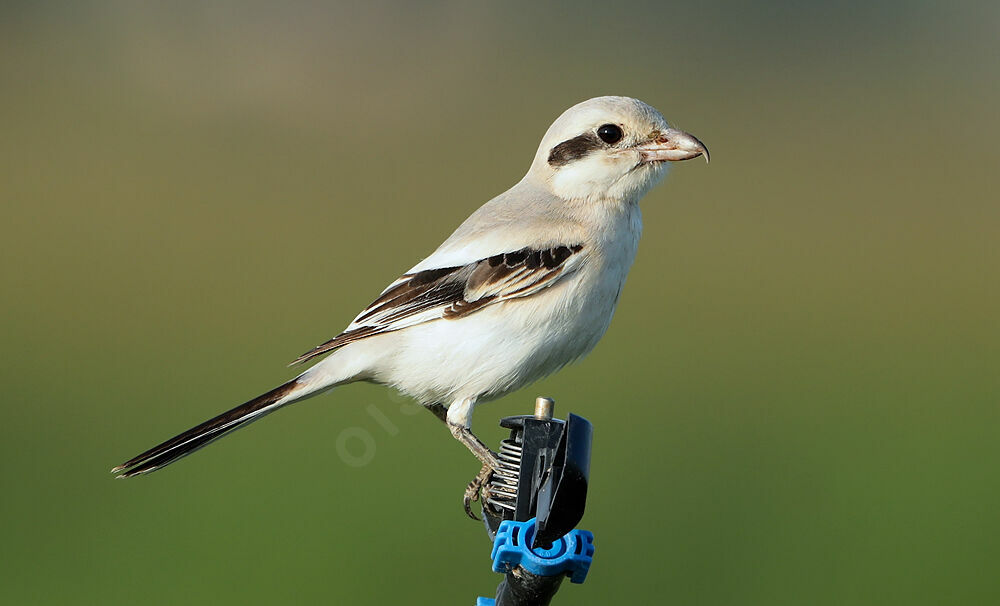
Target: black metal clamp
[(534, 502)]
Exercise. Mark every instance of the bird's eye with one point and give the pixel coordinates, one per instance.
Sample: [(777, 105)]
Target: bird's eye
[(610, 133)]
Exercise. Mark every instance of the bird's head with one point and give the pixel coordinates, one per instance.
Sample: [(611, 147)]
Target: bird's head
[(612, 148)]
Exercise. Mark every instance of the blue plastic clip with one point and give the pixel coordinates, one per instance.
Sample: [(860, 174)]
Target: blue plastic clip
[(486, 601), (571, 554)]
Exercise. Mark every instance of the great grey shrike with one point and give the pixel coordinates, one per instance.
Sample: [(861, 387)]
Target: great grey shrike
[(525, 285)]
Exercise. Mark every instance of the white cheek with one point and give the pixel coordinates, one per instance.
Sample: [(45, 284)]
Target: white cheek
[(600, 176), (586, 177)]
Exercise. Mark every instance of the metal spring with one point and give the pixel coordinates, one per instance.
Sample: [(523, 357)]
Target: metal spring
[(503, 483)]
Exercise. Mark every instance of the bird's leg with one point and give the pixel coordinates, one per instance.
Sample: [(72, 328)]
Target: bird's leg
[(458, 418), (482, 452)]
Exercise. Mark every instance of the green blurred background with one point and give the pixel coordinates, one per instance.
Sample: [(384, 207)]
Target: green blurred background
[(797, 402)]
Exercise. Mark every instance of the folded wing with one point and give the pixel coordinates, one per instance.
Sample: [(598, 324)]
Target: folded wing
[(449, 293)]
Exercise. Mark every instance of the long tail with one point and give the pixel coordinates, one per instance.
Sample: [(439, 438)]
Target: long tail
[(213, 429)]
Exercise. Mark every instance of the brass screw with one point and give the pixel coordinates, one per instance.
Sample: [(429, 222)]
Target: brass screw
[(543, 408)]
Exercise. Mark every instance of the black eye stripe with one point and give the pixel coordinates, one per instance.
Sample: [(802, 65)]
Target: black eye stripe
[(574, 149), (581, 145)]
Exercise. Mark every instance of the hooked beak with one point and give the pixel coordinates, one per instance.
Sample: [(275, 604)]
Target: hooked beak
[(672, 145)]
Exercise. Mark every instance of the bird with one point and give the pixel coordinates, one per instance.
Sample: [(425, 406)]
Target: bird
[(528, 283)]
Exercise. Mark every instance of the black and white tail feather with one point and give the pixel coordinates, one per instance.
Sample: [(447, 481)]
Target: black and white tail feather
[(209, 431)]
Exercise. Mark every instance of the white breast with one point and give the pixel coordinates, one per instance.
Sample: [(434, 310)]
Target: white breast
[(506, 346)]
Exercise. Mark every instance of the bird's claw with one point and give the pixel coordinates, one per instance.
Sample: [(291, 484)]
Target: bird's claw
[(477, 489), (471, 494)]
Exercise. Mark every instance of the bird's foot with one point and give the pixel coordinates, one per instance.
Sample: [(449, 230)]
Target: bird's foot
[(474, 491), (477, 489)]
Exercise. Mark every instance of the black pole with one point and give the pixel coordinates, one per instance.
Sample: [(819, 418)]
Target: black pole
[(521, 588)]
